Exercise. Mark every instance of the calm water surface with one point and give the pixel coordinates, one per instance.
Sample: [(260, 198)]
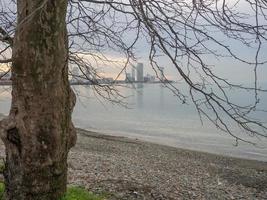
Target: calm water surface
[(155, 115)]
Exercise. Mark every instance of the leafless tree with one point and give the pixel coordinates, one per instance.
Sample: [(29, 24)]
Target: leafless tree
[(190, 34)]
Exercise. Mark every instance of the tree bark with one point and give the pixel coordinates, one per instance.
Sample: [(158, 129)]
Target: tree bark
[(38, 132)]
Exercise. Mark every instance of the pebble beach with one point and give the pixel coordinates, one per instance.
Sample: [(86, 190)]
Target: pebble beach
[(129, 169)]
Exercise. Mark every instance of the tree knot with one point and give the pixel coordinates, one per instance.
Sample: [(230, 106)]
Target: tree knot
[(14, 137)]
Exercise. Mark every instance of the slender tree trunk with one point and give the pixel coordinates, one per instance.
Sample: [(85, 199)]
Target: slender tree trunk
[(38, 132)]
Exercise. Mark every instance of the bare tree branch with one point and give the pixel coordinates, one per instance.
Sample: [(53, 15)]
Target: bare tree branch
[(4, 37), (191, 35), (5, 61)]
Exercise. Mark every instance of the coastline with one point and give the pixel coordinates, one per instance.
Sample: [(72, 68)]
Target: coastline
[(133, 169), (242, 151)]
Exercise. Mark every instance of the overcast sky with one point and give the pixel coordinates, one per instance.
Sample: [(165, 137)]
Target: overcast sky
[(228, 68)]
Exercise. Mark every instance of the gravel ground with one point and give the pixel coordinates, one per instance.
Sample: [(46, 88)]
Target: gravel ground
[(131, 169)]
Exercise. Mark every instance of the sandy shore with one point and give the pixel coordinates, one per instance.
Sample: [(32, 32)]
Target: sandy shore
[(132, 169)]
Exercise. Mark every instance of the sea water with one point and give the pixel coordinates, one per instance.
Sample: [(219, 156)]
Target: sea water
[(151, 112)]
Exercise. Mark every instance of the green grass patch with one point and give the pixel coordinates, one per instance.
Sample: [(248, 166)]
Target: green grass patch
[(73, 193), (78, 193), (2, 190)]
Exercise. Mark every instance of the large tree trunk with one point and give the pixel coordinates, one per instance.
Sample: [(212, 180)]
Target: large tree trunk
[(38, 132)]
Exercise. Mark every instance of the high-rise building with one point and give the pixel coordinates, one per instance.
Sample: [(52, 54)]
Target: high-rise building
[(128, 77), (140, 72), (133, 74)]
